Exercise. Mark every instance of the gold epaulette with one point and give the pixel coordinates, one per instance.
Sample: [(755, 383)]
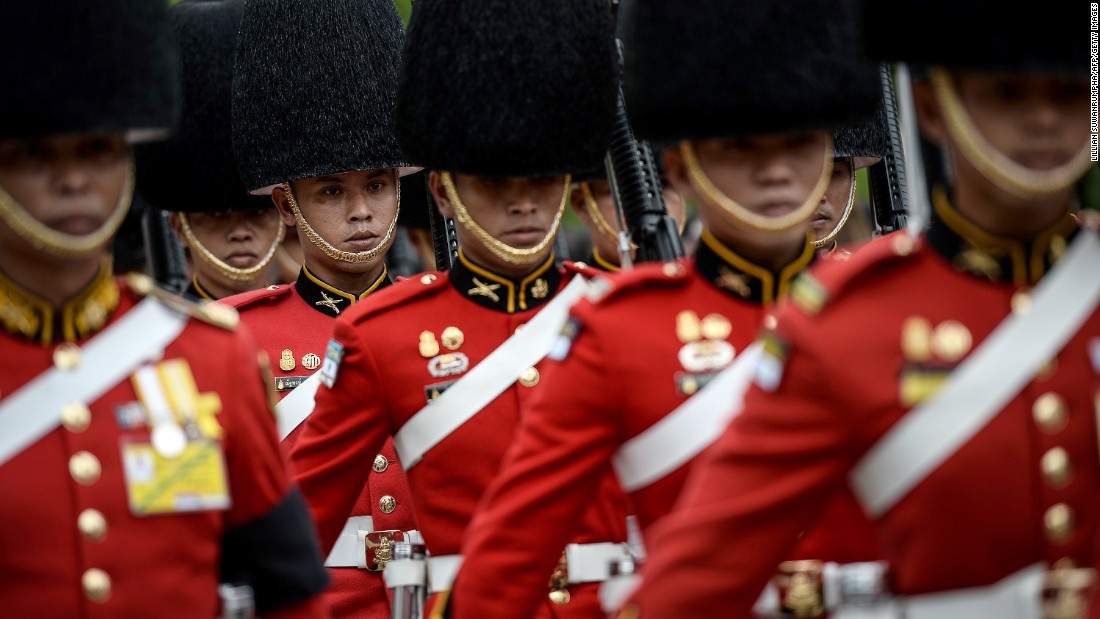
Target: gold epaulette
[(209, 312)]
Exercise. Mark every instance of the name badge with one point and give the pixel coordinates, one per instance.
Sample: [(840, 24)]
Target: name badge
[(193, 481)]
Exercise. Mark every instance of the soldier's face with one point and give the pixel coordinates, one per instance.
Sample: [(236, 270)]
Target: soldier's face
[(350, 210), (832, 205), (71, 183), (516, 211), (601, 192), (239, 239)]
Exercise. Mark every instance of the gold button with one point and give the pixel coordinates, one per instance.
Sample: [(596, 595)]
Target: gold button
[(580, 265), (92, 525), (770, 322), (1058, 522), (380, 464), (84, 467), (1056, 467), (519, 327), (560, 597), (1021, 303), (66, 356), (97, 585), (427, 279), (76, 417), (672, 269), (273, 287), (387, 504), (529, 377), (903, 244), (1049, 412)]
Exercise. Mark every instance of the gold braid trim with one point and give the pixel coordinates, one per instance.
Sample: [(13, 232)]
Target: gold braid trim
[(737, 213), (828, 238), (338, 254), (505, 252), (43, 238), (227, 270), (991, 163)]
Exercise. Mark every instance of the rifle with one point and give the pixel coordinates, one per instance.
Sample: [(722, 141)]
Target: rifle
[(444, 237), (636, 188), (886, 179), (167, 264)]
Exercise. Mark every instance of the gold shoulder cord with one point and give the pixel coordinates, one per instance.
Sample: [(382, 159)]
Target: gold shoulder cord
[(227, 270), (42, 237), (337, 254), (505, 252), (992, 164), (741, 215), (822, 242)]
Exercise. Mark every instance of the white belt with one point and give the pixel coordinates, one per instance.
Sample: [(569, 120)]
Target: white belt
[(584, 562), (350, 549)]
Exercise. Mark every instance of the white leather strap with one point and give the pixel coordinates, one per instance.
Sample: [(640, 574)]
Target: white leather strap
[(405, 573), (1018, 596), (442, 571), (689, 429), (292, 410), (35, 410), (487, 380), (985, 382), (592, 562), (348, 550)]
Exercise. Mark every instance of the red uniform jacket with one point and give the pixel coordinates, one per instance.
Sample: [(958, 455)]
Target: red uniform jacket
[(71, 545), (293, 323), (630, 364), (856, 351), (393, 343)]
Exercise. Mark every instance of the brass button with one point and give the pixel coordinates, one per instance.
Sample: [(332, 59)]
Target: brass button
[(560, 597), (427, 279), (1058, 521), (92, 525), (387, 504), (66, 356), (273, 287), (519, 327), (903, 244), (1056, 467), (1050, 413), (97, 585), (529, 377), (770, 322), (672, 269), (84, 467), (1021, 303), (76, 417), (580, 265), (380, 464)]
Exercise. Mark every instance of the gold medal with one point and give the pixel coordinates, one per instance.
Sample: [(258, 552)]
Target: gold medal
[(687, 327), (428, 346), (452, 337), (951, 341), (715, 327), (916, 339), (311, 361), (286, 360)]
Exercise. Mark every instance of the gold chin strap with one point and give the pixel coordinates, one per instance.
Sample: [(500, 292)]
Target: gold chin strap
[(593, 209), (231, 272), (828, 238), (338, 254), (991, 163), (741, 215), (42, 237), (501, 250)]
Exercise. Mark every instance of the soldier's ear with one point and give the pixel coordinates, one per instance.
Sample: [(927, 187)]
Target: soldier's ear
[(676, 172), (929, 116), (576, 202), (174, 221), (282, 204), (439, 194)]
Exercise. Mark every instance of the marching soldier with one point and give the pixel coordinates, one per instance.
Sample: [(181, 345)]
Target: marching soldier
[(229, 235), (446, 362), (638, 382), (138, 457), (952, 376), (854, 147), (314, 127)]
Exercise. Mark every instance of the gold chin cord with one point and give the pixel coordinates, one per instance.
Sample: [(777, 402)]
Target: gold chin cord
[(231, 272), (594, 212), (991, 163), (42, 237), (828, 238), (737, 213), (337, 254), (505, 252)]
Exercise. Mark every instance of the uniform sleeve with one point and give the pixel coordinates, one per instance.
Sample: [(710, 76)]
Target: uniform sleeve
[(560, 457), (349, 424), (750, 495), (269, 542)]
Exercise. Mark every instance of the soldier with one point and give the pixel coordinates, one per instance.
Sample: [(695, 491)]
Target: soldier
[(854, 147), (638, 355), (230, 236), (138, 454), (952, 376), (332, 166), (446, 362)]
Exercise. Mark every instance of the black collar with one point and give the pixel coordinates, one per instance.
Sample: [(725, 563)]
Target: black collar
[(196, 292), (501, 293), (974, 251), (742, 279), (24, 313), (602, 263), (329, 299)]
